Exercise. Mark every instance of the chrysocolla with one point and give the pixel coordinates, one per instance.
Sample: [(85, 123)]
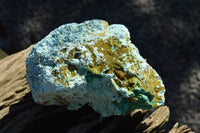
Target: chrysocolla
[(92, 63)]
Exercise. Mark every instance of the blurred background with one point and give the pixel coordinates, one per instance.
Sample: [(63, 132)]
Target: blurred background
[(167, 34)]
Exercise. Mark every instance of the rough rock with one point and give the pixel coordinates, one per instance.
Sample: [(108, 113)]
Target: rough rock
[(92, 63)]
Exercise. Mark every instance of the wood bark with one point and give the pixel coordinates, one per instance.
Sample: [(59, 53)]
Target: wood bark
[(20, 114)]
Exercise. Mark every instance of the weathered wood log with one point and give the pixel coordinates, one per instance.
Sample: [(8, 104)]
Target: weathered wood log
[(19, 113)]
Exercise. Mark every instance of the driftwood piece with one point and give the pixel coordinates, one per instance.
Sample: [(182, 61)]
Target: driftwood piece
[(155, 121), (19, 113), (182, 129)]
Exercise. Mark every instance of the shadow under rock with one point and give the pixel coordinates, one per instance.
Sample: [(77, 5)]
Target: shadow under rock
[(27, 116)]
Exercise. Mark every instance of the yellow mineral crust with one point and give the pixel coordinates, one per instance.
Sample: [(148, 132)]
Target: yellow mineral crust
[(115, 61), (65, 72)]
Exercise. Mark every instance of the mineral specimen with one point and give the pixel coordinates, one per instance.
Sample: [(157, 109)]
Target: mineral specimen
[(92, 63)]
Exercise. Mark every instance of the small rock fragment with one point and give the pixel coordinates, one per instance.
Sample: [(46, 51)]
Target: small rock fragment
[(92, 63)]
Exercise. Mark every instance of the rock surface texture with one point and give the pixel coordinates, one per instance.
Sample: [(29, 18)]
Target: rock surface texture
[(92, 63)]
